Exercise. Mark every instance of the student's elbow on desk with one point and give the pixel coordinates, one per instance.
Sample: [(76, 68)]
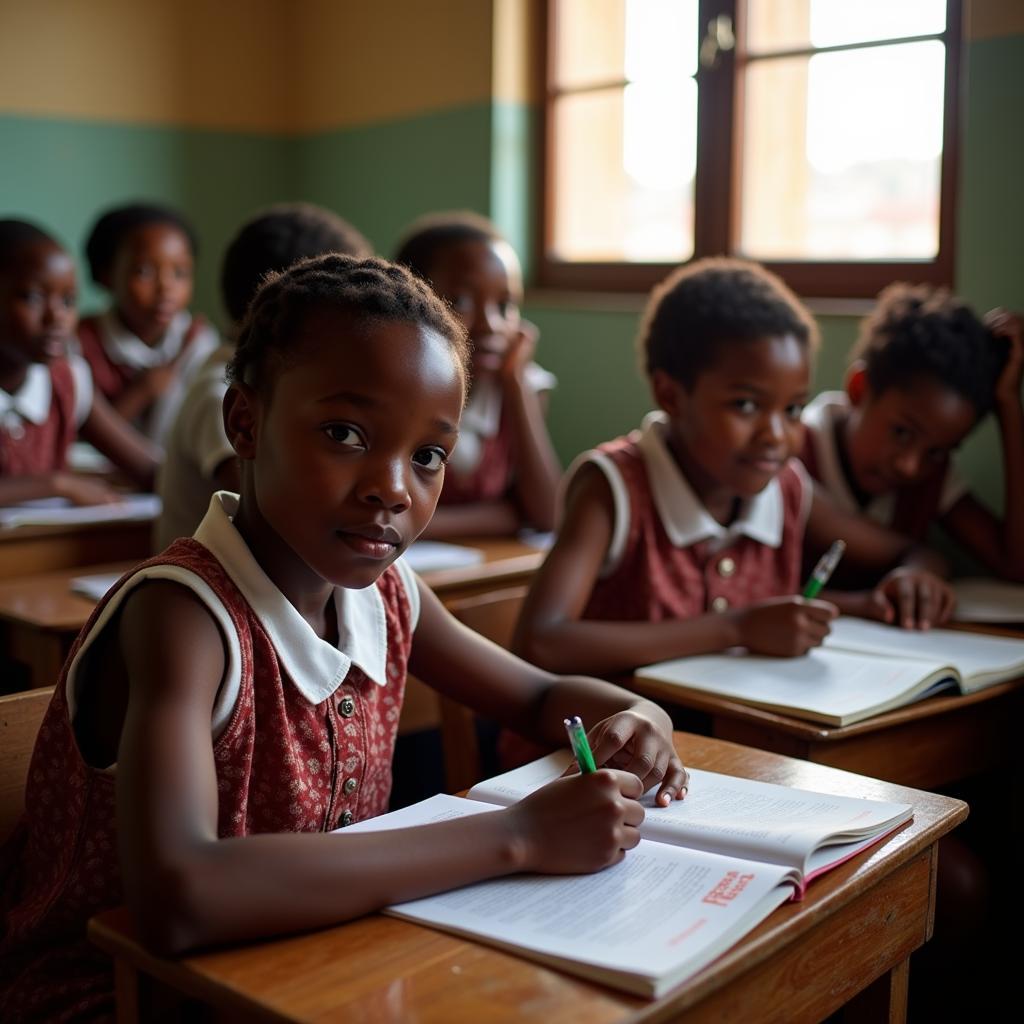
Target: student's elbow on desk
[(168, 910)]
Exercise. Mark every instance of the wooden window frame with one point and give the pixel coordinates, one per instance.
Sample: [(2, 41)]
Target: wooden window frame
[(716, 214)]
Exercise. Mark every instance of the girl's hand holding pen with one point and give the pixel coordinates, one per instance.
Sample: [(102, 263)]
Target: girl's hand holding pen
[(784, 627), (640, 741), (578, 824)]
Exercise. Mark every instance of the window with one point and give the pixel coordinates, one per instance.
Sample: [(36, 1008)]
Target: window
[(817, 136)]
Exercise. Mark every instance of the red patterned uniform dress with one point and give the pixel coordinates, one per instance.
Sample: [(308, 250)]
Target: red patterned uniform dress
[(31, 449), (653, 579), (283, 764)]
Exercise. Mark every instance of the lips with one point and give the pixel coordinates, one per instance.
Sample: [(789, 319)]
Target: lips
[(372, 541), (765, 463)]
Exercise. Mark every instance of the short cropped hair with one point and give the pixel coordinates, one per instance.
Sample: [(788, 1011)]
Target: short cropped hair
[(114, 225), (15, 235), (368, 289), (419, 245), (715, 302), (274, 239), (920, 331)]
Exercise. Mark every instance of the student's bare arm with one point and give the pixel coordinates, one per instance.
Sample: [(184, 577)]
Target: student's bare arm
[(1000, 544), (187, 887), (76, 487), (474, 519), (120, 442), (553, 634), (537, 467), (632, 733)]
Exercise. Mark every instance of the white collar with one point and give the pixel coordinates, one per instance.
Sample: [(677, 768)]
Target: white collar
[(128, 349), (316, 667), (32, 400), (685, 519), (820, 418)]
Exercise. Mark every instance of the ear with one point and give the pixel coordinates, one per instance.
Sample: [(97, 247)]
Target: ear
[(668, 392), (856, 383), (241, 419)]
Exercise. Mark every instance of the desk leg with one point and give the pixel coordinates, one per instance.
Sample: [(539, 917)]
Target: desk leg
[(882, 1002), (126, 992)]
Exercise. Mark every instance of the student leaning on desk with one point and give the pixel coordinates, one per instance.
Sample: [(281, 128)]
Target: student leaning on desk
[(242, 689), (686, 537), (47, 397)]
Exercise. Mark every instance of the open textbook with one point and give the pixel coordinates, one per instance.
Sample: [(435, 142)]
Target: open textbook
[(707, 870), (862, 669)]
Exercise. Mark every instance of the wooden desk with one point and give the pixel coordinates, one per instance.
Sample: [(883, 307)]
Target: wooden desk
[(929, 744), (848, 943), (40, 616), (27, 550)]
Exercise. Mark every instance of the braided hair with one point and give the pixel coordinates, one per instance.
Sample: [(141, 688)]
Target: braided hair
[(367, 289), (919, 331)]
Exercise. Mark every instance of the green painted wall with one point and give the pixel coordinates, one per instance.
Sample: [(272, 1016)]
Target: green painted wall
[(61, 173), (382, 176)]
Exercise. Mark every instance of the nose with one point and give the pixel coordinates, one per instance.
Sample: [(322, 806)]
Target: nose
[(486, 320), (57, 311), (773, 427), (908, 465), (384, 484)]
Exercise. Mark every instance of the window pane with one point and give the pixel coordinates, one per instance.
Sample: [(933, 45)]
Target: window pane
[(795, 24), (661, 39), (841, 155), (623, 187), (589, 42)]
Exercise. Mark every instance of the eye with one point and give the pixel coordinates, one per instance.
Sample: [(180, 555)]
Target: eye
[(143, 272), (462, 303), (32, 296), (70, 300), (431, 459), (745, 406), (345, 434), (901, 435), (182, 273), (795, 411), (936, 456)]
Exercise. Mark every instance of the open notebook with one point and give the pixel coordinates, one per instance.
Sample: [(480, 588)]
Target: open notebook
[(863, 669), (708, 870)]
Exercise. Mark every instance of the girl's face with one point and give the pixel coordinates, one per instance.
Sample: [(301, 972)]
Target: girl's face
[(38, 309), (151, 279), (905, 434), (348, 448), (735, 429), (483, 283)]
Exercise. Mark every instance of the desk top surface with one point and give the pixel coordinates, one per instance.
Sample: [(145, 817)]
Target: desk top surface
[(380, 968), (45, 600)]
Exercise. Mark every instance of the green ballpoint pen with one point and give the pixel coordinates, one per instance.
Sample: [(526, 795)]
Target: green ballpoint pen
[(824, 569), (579, 744)]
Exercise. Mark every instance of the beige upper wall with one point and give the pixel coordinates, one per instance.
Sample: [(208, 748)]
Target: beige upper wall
[(260, 65), (183, 62), (360, 62), (276, 66)]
